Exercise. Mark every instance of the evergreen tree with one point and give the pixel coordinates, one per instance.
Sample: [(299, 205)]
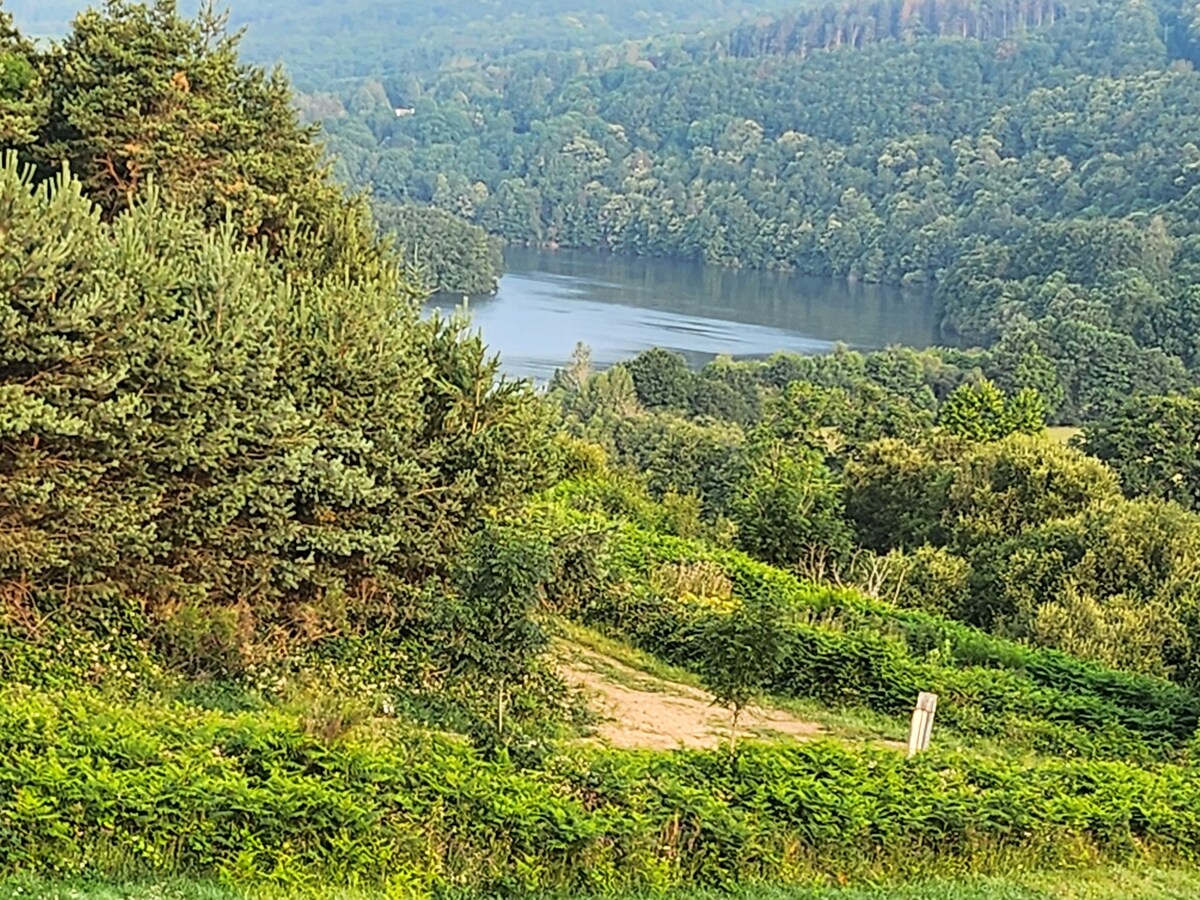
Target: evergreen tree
[(221, 402), (22, 102), (139, 95)]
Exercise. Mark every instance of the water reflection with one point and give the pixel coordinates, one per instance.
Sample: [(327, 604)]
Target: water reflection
[(620, 306)]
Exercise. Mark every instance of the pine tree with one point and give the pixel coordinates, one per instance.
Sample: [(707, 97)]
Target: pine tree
[(140, 95), (219, 400), (22, 101)]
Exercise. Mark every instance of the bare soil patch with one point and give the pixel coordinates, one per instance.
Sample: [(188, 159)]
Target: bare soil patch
[(641, 711)]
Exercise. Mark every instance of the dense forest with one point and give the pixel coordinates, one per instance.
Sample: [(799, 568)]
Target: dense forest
[(441, 252), (1036, 167), (300, 596), (324, 43), (856, 25), (923, 484), (886, 163)]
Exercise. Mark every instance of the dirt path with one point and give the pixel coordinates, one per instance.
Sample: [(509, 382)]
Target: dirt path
[(639, 711)]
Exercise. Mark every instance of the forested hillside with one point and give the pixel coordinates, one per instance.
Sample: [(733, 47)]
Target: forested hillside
[(321, 43), (908, 475), (1036, 166), (857, 24), (885, 163), (288, 569)]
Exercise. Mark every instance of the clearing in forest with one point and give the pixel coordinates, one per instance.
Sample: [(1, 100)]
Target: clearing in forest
[(638, 710)]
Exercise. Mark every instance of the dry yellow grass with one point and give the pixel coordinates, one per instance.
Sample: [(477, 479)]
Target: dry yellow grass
[(1062, 434)]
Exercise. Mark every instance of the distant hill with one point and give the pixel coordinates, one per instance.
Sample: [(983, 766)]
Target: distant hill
[(319, 40)]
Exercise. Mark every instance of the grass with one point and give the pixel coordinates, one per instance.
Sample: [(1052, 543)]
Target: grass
[(852, 725), (29, 889), (1062, 434), (849, 725), (627, 656), (981, 890), (1105, 884), (1134, 884)]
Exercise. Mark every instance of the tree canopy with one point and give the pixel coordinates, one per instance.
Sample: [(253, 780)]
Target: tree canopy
[(988, 151), (221, 401)]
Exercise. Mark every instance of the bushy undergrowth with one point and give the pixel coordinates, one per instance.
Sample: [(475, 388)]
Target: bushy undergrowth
[(101, 789), (663, 593), (956, 889), (1103, 884)]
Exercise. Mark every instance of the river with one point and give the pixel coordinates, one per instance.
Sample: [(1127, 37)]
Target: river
[(619, 306)]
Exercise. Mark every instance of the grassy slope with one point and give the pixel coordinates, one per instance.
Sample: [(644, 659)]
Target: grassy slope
[(850, 726), (847, 725)]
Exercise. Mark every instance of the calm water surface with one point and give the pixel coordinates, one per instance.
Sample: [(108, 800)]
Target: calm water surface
[(619, 306)]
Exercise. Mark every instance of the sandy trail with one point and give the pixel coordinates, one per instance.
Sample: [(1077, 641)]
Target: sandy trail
[(640, 711)]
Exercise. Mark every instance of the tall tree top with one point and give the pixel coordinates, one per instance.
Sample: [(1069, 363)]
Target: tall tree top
[(138, 94)]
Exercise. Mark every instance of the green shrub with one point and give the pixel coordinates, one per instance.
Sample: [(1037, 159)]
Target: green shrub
[(258, 459), (788, 507), (845, 649), (97, 789), (929, 578), (1129, 566), (948, 492), (743, 650)]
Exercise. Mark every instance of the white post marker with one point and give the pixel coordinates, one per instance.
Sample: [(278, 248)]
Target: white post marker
[(922, 724)]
